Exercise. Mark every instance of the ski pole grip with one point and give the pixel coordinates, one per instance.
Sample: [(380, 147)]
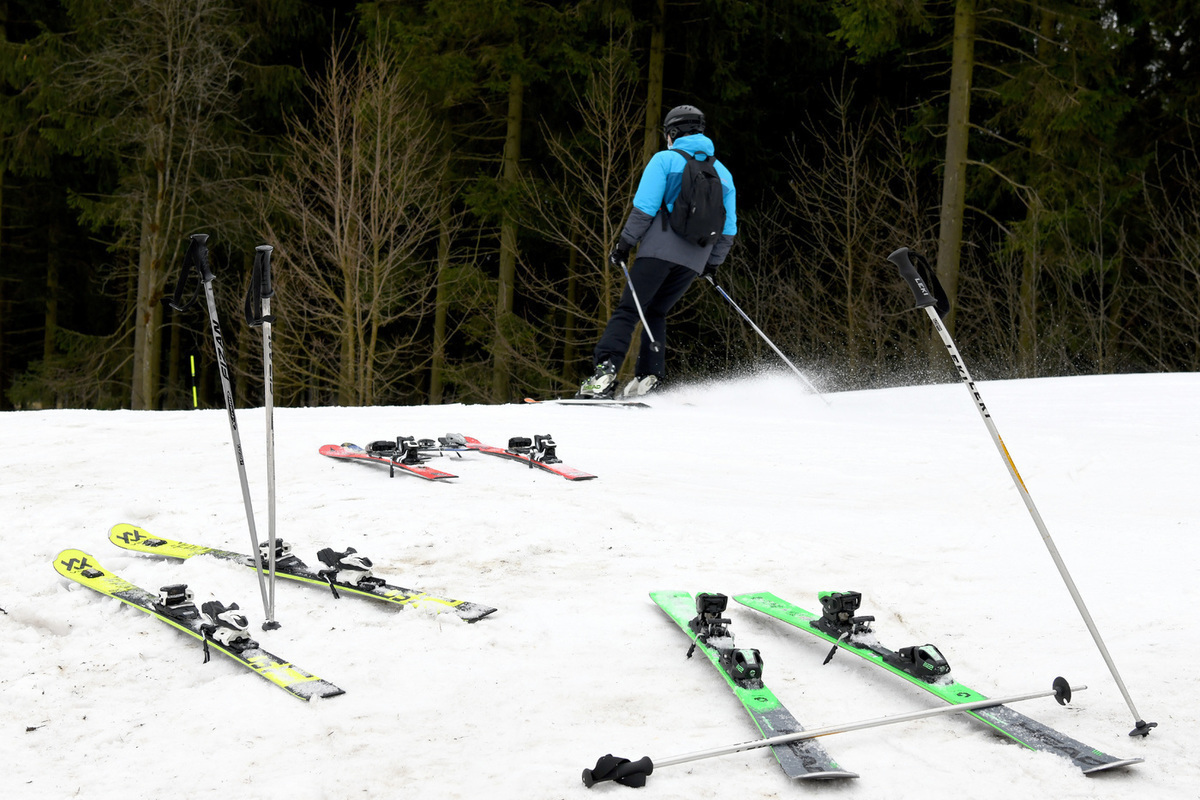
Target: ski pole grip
[(921, 293), (199, 252), (263, 255), (621, 770)]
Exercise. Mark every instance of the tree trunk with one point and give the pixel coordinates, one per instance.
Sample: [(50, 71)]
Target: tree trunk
[(654, 82), (3, 311), (441, 303), (501, 377), (957, 133)]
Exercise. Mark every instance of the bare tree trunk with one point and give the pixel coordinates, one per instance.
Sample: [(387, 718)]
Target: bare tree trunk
[(3, 311), (441, 305), (1027, 308), (501, 377), (654, 82), (954, 181)]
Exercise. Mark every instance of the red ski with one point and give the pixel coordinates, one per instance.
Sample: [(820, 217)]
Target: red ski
[(401, 458), (537, 452)]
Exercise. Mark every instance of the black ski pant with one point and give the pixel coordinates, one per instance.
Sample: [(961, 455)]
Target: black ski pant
[(659, 286)]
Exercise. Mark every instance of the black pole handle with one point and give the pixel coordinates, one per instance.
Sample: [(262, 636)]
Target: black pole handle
[(921, 293), (260, 287), (621, 770), (196, 256), (262, 255)]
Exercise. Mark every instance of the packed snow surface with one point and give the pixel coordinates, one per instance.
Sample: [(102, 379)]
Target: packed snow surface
[(737, 486)]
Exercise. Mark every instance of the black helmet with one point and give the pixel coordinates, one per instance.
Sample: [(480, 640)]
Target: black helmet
[(683, 120)]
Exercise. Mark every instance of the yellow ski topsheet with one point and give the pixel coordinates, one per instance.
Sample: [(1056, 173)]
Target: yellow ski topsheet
[(85, 569), (131, 537)]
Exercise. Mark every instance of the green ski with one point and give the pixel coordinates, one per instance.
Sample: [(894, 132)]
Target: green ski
[(701, 618), (924, 666)]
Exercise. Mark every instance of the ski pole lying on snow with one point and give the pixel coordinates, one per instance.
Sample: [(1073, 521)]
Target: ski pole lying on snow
[(654, 346), (633, 773), (758, 330), (258, 314), (197, 256), (926, 299)]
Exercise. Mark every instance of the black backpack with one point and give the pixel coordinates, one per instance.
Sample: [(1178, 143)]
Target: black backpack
[(699, 213)]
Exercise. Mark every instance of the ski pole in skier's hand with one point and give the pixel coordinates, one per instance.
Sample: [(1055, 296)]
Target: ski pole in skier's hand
[(708, 276), (619, 257)]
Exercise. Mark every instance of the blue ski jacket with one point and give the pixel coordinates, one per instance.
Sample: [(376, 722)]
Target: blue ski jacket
[(661, 181)]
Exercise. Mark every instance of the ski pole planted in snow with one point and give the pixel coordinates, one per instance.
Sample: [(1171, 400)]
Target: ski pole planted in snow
[(633, 773), (258, 314), (758, 330), (197, 256), (925, 298)]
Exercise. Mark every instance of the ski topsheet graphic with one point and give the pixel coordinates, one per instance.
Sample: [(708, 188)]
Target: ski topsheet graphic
[(346, 572), (924, 666), (219, 627), (700, 617)]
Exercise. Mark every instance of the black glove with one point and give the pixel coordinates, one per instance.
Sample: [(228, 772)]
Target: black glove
[(619, 255), (709, 270)]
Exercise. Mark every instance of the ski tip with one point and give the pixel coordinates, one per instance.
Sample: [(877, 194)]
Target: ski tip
[(1116, 764)]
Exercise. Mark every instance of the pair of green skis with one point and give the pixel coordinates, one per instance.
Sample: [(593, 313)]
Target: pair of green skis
[(224, 628), (701, 618)]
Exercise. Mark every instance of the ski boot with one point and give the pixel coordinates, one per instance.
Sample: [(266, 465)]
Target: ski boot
[(602, 383), (639, 387)]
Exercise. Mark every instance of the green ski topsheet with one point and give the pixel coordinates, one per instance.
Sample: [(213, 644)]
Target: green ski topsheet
[(805, 759), (1018, 727)]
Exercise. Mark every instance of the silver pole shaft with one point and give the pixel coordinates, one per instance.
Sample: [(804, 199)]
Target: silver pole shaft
[(1037, 517), (778, 352), (223, 368), (854, 726), (637, 303), (269, 405)]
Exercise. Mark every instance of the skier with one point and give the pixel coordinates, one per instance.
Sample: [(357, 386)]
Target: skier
[(673, 249)]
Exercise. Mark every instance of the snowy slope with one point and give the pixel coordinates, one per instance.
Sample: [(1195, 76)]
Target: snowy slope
[(735, 487)]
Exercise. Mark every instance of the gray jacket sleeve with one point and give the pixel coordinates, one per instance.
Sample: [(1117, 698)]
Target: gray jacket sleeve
[(635, 227), (720, 250)]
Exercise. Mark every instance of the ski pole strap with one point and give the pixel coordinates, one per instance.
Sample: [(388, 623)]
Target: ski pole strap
[(196, 256), (260, 287)]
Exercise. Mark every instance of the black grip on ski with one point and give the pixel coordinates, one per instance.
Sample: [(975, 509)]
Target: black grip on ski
[(621, 770), (921, 293)]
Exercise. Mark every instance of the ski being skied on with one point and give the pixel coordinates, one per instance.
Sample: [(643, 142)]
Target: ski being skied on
[(683, 222)]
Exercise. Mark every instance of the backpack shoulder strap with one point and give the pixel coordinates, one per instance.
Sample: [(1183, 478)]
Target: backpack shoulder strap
[(686, 157)]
